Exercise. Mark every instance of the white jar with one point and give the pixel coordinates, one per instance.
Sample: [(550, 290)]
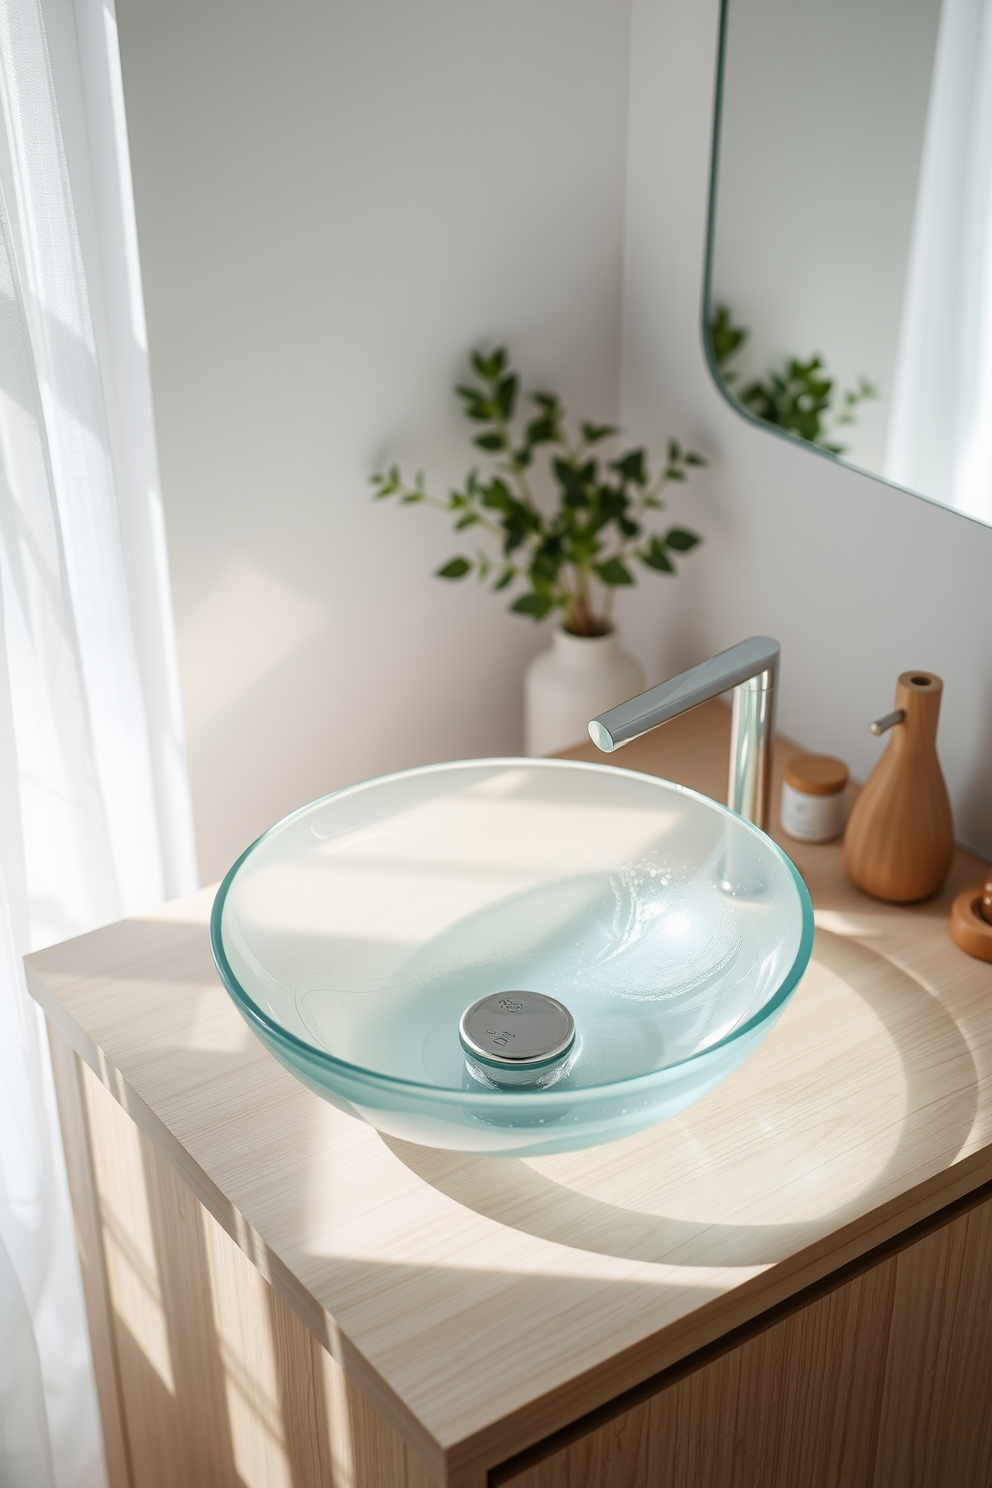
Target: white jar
[(576, 679), (814, 795)]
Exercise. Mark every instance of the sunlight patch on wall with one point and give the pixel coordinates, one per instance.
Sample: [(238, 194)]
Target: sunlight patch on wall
[(247, 625)]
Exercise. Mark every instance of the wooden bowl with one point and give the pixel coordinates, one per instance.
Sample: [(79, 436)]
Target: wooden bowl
[(968, 929)]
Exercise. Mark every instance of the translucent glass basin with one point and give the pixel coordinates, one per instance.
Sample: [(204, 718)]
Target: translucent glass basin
[(355, 934)]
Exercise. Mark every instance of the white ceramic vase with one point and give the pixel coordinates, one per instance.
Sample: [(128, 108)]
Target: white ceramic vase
[(573, 681)]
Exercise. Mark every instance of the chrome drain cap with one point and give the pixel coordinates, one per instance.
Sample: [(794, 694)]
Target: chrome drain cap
[(516, 1031)]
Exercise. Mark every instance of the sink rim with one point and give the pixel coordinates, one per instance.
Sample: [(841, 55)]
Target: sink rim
[(255, 1016)]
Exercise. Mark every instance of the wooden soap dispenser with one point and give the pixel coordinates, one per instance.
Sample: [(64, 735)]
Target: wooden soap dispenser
[(900, 838)]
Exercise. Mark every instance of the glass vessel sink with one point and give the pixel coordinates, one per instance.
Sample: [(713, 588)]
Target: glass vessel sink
[(354, 935)]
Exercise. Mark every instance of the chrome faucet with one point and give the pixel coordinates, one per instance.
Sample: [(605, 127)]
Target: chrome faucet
[(751, 669)]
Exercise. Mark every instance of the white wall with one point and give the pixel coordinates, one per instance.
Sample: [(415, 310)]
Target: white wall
[(335, 202), (858, 580)]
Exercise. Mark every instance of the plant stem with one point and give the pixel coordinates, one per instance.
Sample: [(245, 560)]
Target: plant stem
[(515, 469), (482, 520)]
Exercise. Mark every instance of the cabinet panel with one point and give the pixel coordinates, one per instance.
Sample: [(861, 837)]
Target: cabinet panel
[(884, 1382), (220, 1385), (936, 1425)]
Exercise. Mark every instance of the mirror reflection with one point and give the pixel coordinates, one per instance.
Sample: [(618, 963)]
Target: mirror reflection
[(850, 275)]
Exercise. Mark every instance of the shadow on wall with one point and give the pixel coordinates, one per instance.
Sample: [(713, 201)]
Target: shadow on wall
[(976, 816)]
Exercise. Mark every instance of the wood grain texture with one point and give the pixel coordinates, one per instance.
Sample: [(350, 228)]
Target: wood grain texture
[(221, 1385), (883, 1383), (482, 1304), (68, 1073), (936, 1420)]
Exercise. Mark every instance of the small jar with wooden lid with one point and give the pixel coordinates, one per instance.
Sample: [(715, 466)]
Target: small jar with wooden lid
[(814, 793)]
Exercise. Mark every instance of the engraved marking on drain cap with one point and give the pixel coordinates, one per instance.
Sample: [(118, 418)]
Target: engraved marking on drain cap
[(542, 1029)]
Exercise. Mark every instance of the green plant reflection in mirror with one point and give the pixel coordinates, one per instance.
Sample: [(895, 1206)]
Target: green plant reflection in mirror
[(799, 396), (851, 216)]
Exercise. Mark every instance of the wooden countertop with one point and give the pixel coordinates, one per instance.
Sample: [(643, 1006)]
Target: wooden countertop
[(482, 1303)]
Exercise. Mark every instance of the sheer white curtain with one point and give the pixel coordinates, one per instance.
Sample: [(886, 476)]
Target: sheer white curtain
[(940, 425), (94, 810)]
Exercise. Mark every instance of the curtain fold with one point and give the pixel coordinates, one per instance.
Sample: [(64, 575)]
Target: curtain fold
[(94, 807), (25, 1456), (940, 424)]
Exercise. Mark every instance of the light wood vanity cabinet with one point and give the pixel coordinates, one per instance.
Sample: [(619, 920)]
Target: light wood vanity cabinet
[(788, 1286), (883, 1380)]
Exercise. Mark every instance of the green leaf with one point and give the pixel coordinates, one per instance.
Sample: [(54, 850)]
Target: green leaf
[(631, 467), (797, 397), (496, 496), (489, 367), (593, 433), (494, 441), (506, 396), (680, 540), (613, 572), (546, 564), (693, 459), (477, 405), (455, 568), (726, 340), (607, 506), (537, 605), (571, 482), (468, 520), (388, 484), (674, 452), (655, 556), (580, 548), (506, 577), (412, 496), (542, 430)]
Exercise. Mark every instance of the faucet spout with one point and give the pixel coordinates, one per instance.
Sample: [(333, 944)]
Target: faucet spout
[(751, 669)]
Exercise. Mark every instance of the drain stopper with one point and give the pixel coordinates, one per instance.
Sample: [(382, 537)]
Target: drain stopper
[(516, 1038)]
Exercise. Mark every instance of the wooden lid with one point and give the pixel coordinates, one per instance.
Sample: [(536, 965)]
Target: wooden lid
[(816, 774)]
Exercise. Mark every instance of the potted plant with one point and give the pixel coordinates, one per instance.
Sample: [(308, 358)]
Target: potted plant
[(568, 554)]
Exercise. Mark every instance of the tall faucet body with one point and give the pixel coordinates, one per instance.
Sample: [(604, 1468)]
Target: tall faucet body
[(751, 669)]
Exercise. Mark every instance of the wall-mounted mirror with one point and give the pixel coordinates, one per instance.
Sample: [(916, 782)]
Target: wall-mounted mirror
[(850, 255)]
